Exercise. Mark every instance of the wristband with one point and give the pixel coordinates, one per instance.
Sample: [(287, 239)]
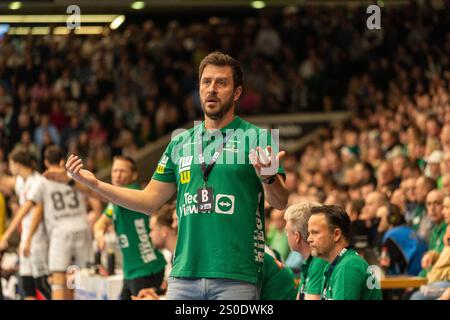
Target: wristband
[(269, 180)]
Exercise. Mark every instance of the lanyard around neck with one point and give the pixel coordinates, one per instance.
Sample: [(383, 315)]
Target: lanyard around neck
[(330, 271), (206, 169)]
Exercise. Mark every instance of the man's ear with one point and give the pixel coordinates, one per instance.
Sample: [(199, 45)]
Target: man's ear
[(298, 237), (237, 93), (46, 163), (135, 176), (337, 234)]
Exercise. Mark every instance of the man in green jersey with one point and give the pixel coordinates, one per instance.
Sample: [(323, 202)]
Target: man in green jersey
[(143, 265), (297, 216), (434, 204), (222, 170), (348, 276)]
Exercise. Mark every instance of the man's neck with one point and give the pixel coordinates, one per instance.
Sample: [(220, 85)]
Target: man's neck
[(25, 173), (305, 251), (171, 243), (211, 124), (335, 252)]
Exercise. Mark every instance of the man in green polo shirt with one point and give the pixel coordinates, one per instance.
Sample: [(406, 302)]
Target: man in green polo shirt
[(434, 205), (143, 265), (222, 170), (348, 276), (297, 216)]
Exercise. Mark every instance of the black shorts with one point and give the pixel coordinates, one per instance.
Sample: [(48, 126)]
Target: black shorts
[(28, 286), (133, 286)]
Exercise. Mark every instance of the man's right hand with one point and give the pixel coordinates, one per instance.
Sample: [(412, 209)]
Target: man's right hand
[(74, 167)]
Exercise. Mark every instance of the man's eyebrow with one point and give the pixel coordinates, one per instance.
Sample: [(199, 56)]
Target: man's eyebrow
[(217, 78)]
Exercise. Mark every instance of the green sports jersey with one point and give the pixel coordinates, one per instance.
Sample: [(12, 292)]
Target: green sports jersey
[(418, 214), (140, 259), (278, 281), (437, 237), (312, 276), (351, 279), (227, 242)]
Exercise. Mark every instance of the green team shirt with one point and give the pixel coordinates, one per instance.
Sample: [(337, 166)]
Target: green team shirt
[(227, 242), (437, 237), (140, 259), (352, 279), (278, 281), (312, 276), (418, 214)]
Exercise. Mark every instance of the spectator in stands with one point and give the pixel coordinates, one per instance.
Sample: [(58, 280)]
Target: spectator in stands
[(436, 243), (276, 237)]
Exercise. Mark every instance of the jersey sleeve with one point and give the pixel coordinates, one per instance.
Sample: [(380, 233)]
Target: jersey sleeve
[(315, 276), (165, 171), (35, 193), (108, 211)]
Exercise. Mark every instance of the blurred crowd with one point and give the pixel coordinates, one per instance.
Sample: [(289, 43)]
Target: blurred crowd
[(388, 166)]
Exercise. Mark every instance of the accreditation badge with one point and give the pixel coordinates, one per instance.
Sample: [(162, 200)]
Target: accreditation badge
[(205, 199)]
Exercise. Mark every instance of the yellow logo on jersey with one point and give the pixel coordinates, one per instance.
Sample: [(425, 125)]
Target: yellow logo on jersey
[(162, 164), (185, 169)]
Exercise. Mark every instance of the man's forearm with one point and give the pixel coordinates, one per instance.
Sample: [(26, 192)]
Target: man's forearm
[(136, 200), (277, 193)]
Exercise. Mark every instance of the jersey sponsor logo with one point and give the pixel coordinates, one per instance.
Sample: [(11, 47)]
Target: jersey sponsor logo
[(224, 204), (162, 164), (123, 241), (145, 248), (185, 169)]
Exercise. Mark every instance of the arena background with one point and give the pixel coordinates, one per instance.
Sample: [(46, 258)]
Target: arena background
[(340, 93)]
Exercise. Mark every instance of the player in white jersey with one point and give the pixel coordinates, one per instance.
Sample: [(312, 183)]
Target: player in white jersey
[(33, 268), (66, 220)]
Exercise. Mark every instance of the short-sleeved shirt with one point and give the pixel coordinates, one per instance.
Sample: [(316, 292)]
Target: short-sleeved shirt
[(228, 241), (312, 276), (278, 281), (140, 258), (64, 207), (351, 279), (437, 237)]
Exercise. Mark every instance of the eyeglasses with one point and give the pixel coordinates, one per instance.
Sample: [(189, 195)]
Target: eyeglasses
[(434, 203)]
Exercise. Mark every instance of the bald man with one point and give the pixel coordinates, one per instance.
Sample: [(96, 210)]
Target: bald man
[(436, 215)]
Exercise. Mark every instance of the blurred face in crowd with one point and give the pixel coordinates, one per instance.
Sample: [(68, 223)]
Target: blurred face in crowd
[(291, 181), (421, 189), (373, 201), (385, 174), (277, 219), (398, 164), (158, 233), (217, 93), (446, 185), (445, 137), (446, 209), (121, 173), (434, 206), (432, 128), (321, 239), (445, 163), (382, 214), (398, 198)]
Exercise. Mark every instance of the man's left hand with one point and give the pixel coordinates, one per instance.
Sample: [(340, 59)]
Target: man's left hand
[(265, 164)]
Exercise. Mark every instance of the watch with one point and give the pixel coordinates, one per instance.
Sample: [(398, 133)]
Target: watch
[(71, 182), (269, 180)]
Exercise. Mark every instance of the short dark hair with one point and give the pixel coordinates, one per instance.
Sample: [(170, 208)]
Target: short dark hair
[(218, 58), (21, 156), (336, 218), (129, 159), (54, 154)]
